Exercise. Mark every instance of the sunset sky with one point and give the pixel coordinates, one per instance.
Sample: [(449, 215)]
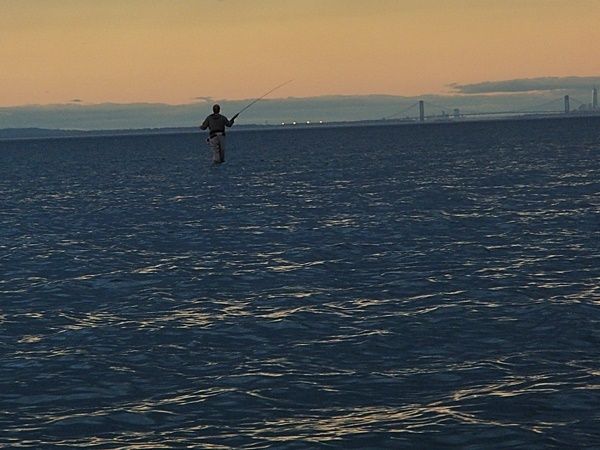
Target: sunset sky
[(174, 51)]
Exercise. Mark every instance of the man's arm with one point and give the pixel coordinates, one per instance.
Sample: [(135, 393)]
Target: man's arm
[(204, 125), (229, 123)]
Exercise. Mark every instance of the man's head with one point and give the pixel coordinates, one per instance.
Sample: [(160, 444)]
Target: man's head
[(216, 109)]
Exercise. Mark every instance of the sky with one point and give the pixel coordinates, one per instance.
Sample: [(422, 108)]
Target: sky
[(184, 51)]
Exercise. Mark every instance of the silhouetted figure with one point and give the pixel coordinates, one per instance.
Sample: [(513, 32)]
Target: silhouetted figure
[(216, 123)]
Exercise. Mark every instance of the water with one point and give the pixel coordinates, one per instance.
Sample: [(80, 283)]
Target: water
[(374, 287)]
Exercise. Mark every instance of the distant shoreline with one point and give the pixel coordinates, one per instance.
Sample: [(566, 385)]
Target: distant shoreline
[(18, 134)]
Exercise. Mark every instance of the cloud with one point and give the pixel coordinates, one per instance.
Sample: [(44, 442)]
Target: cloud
[(204, 99), (528, 85)]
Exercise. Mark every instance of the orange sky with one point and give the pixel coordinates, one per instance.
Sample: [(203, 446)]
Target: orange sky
[(171, 51)]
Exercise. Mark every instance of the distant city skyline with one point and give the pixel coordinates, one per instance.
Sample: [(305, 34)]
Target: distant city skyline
[(177, 53)]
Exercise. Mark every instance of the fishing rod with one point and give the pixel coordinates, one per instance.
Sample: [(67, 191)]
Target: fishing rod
[(261, 97)]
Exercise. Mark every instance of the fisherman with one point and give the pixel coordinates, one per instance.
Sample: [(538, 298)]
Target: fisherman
[(216, 123)]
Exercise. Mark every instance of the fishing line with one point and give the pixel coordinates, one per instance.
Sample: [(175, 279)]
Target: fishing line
[(261, 97)]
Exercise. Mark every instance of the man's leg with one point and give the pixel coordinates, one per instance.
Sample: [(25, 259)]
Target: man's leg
[(214, 144), (222, 148)]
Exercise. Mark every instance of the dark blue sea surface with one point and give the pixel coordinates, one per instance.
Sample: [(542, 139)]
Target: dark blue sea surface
[(431, 286)]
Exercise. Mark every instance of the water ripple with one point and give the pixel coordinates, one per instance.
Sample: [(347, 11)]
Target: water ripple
[(416, 287)]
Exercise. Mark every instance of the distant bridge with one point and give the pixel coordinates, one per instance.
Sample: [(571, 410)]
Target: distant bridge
[(560, 105)]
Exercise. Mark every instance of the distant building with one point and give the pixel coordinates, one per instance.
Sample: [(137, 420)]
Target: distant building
[(595, 99)]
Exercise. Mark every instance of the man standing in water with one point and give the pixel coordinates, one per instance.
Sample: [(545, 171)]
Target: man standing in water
[(216, 123)]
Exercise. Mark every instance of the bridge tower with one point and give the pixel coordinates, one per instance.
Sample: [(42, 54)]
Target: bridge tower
[(421, 111), (567, 105), (595, 99)]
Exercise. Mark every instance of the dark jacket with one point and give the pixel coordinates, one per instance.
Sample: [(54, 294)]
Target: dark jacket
[(216, 123)]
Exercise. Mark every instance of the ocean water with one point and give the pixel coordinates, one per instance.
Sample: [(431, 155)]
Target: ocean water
[(366, 287)]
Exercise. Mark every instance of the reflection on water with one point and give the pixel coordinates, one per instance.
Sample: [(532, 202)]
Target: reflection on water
[(380, 287)]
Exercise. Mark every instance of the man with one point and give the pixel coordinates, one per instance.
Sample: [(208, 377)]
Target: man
[(216, 123)]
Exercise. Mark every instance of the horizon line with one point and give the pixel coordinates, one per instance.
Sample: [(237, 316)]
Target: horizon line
[(315, 97)]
